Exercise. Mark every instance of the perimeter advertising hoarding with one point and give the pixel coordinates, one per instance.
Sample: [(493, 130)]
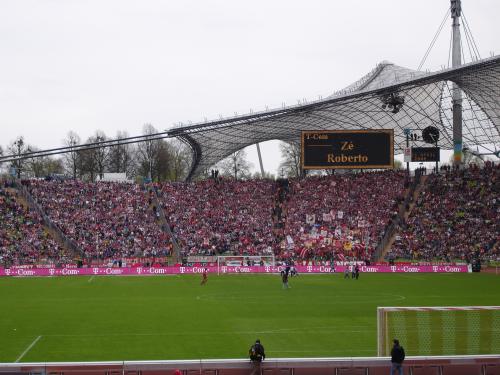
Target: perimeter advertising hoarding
[(347, 149), (179, 270)]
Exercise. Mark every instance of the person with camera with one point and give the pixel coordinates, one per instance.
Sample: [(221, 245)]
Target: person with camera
[(257, 355)]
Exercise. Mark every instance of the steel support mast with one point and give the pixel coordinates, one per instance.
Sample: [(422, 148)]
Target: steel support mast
[(456, 10), (260, 162)]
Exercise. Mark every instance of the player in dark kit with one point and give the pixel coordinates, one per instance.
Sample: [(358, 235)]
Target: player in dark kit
[(204, 277), (284, 279)]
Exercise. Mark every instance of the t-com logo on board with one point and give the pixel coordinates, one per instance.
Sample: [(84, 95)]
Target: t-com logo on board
[(67, 271), (368, 269)]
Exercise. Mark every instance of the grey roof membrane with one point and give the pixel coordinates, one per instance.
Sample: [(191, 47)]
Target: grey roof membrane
[(427, 101)]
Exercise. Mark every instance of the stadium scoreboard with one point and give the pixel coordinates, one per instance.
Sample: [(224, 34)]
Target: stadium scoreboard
[(424, 154), (347, 149)]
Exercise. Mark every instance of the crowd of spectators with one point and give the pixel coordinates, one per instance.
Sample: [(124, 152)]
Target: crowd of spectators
[(321, 218), (311, 218), (340, 216), (221, 216), (23, 238), (456, 217), (107, 220)]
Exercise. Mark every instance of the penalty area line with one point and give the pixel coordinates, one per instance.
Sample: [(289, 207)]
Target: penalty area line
[(90, 280), (28, 348)]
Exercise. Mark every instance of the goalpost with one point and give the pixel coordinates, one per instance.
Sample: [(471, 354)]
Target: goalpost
[(439, 330), (243, 260)]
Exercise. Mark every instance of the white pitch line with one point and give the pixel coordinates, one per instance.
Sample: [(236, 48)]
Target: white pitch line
[(28, 349), (92, 278)]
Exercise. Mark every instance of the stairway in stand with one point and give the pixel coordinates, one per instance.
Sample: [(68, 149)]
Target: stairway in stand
[(279, 214), (404, 213), (156, 209), (27, 200)]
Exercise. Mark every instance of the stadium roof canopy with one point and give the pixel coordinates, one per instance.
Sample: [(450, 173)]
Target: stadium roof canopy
[(427, 101)]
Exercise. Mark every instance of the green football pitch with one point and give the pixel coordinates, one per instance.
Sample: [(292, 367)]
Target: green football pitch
[(173, 317)]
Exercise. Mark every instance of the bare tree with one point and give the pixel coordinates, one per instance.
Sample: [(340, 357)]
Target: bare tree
[(71, 160), (153, 156), (35, 166), (54, 166), (17, 148), (236, 165), (162, 169), (181, 158), (93, 162), (87, 165), (120, 156), (147, 151), (100, 154), (290, 153), (44, 166)]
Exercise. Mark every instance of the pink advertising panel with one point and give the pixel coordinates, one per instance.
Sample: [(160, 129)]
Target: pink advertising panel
[(177, 270)]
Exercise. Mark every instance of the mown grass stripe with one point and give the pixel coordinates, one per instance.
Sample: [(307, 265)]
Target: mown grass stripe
[(436, 333), (412, 335), (485, 328), (424, 334), (461, 332), (474, 331), (448, 320), (397, 328), (495, 332)]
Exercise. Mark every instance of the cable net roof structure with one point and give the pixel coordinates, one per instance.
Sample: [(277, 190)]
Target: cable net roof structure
[(427, 101)]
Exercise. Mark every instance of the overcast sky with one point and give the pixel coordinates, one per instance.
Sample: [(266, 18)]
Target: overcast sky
[(118, 64)]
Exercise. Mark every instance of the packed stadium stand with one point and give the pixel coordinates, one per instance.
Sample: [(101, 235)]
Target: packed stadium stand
[(221, 215), (259, 217), (106, 220), (23, 238), (455, 217), (345, 215), (318, 218)]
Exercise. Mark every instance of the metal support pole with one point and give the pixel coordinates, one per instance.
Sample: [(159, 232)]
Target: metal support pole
[(437, 171), (456, 10), (407, 147), (260, 161)]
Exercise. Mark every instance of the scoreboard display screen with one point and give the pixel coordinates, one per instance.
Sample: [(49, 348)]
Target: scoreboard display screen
[(348, 149), (422, 154)]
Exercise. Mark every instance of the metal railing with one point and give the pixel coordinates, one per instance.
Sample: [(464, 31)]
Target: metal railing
[(465, 364)]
